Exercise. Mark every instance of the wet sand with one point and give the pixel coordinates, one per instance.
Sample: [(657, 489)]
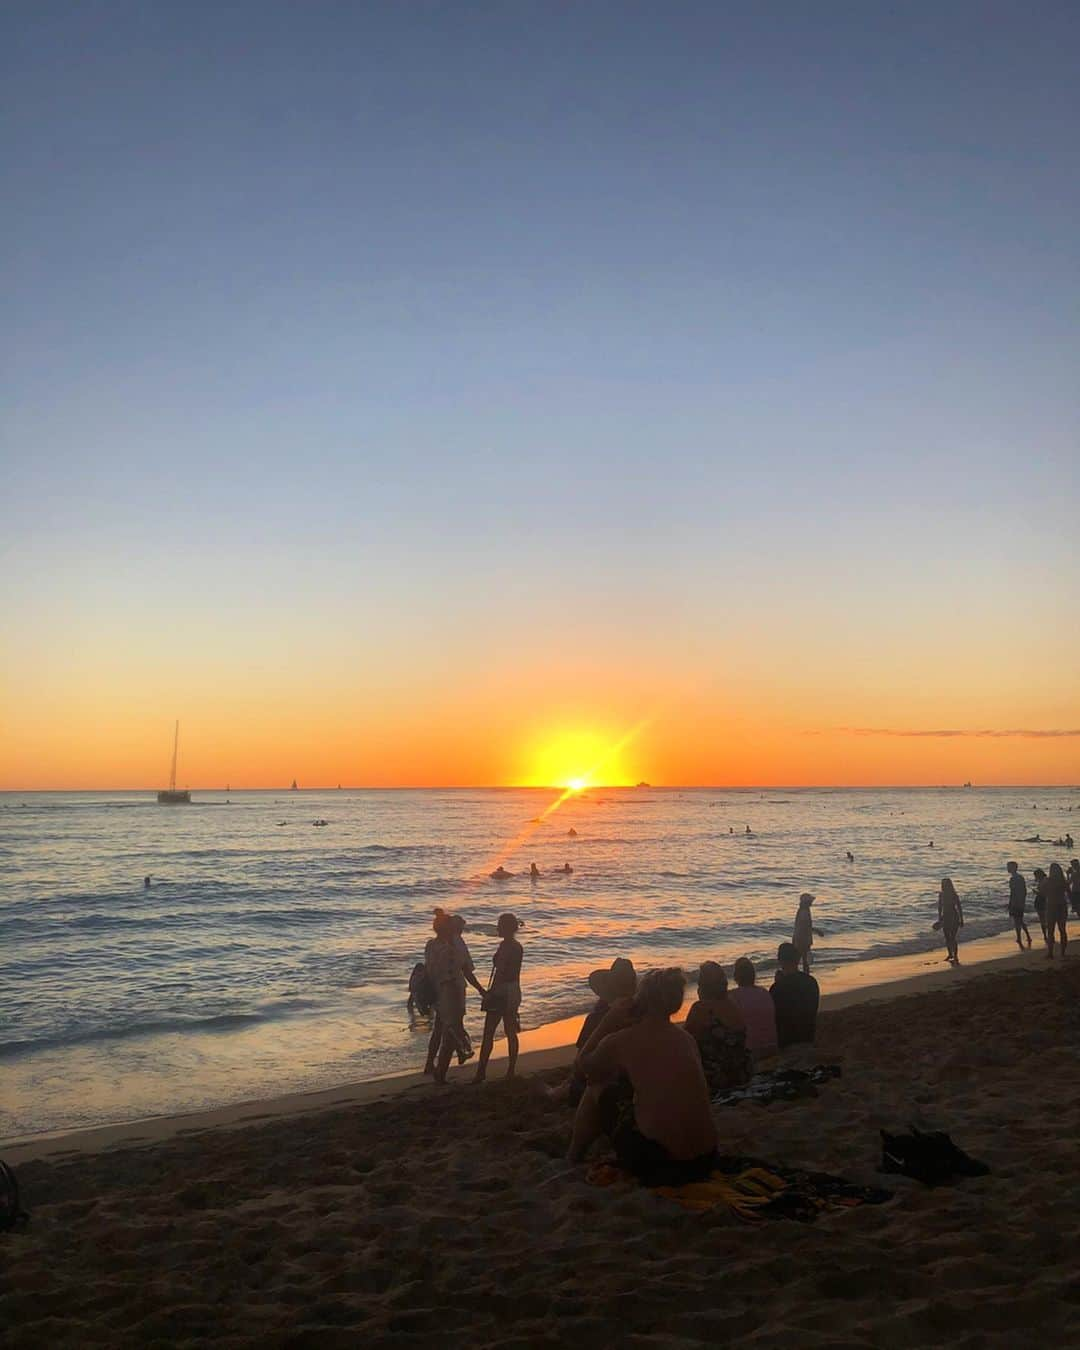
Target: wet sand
[(449, 1216)]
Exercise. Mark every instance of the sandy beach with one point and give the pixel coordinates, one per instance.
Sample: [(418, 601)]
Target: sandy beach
[(403, 1214)]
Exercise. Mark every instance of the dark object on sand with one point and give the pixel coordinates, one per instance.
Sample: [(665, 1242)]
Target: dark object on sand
[(12, 1216), (779, 1085), (931, 1158)]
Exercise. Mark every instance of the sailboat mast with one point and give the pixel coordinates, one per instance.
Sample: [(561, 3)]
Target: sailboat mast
[(176, 742)]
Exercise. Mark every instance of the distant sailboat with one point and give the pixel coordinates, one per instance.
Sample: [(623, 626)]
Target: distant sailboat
[(294, 788), (172, 795)]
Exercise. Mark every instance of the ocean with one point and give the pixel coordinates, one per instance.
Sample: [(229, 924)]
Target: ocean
[(271, 954)]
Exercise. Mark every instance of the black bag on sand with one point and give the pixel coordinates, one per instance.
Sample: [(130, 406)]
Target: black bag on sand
[(12, 1217), (931, 1158)]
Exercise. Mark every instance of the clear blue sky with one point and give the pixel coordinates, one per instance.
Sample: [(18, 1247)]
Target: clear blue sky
[(465, 312)]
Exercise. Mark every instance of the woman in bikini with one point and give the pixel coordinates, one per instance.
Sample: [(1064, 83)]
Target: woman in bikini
[(503, 997), (950, 917)]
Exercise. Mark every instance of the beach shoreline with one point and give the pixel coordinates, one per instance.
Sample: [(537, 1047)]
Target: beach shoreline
[(451, 1215), (542, 1048)]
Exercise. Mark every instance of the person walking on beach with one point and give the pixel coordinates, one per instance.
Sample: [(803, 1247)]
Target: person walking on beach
[(1057, 910), (804, 932), (1039, 877), (446, 970), (503, 997), (1017, 902), (950, 917)]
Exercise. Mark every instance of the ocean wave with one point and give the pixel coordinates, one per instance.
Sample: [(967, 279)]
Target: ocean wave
[(161, 1026)]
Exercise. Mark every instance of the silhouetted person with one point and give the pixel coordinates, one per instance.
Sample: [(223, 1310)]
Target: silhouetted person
[(1017, 902), (1039, 877), (795, 996), (850, 856), (1057, 909), (1073, 878), (503, 997), (444, 967), (718, 1026), (950, 917), (659, 1122), (757, 1008), (534, 871), (804, 931), (501, 874), (146, 883)]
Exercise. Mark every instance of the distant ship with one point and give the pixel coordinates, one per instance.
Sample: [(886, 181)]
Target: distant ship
[(643, 784), (294, 788), (968, 784), (172, 795)]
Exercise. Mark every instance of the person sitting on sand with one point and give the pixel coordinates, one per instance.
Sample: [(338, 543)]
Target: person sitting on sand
[(757, 1008), (1017, 902), (1039, 878), (501, 874), (1057, 909), (659, 1121), (615, 985), (717, 1025), (950, 914), (804, 931), (795, 996), (443, 961), (503, 997)]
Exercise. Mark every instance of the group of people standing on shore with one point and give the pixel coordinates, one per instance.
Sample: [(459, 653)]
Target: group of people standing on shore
[(1054, 891)]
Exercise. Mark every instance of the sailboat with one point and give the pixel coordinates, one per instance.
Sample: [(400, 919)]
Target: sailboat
[(172, 795)]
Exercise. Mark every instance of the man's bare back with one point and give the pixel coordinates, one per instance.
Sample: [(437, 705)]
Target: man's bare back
[(671, 1099)]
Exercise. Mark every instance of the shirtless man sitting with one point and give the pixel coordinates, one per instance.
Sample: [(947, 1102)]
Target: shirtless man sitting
[(647, 1092)]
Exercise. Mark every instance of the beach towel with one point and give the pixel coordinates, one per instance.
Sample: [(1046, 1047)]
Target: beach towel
[(755, 1191), (779, 1085)]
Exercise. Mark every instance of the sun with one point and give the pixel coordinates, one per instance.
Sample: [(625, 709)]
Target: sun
[(576, 758), (577, 784)]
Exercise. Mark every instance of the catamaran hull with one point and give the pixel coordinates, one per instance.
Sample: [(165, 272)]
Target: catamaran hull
[(174, 797)]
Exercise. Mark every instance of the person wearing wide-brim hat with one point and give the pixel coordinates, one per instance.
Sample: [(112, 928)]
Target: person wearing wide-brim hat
[(619, 980)]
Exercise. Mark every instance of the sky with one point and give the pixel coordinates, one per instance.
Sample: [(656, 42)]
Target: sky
[(422, 394)]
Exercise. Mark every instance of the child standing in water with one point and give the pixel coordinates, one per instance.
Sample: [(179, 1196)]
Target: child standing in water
[(805, 932), (950, 917), (503, 997)]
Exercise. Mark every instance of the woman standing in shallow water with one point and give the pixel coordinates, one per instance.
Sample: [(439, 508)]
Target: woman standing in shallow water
[(950, 917)]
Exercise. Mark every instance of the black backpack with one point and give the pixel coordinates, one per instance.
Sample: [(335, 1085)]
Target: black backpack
[(931, 1157), (12, 1216)]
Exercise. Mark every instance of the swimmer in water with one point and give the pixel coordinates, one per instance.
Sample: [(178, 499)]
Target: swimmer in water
[(146, 882), (501, 874), (572, 832), (850, 856), (565, 868), (749, 830), (534, 871)]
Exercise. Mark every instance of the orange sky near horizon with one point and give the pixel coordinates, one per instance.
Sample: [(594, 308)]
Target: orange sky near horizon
[(490, 736)]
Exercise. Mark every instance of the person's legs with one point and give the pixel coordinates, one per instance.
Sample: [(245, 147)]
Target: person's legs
[(1024, 926), (587, 1125), (510, 1023), (445, 1052), (1018, 923), (434, 1042), (491, 1021)]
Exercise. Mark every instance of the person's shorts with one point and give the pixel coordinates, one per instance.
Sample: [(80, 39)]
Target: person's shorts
[(1016, 913)]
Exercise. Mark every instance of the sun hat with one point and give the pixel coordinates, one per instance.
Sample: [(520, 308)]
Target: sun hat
[(619, 980)]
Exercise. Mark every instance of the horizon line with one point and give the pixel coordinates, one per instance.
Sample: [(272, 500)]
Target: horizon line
[(593, 787)]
